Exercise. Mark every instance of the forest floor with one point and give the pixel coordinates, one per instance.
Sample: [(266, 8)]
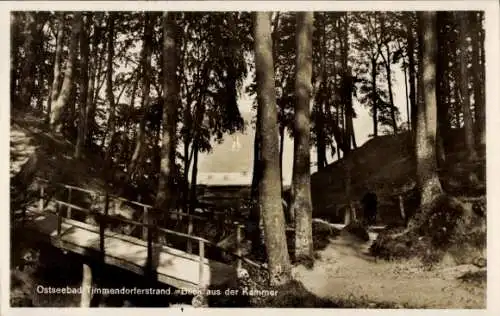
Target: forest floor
[(345, 271)]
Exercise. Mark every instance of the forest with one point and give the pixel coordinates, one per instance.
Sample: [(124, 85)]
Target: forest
[(127, 101)]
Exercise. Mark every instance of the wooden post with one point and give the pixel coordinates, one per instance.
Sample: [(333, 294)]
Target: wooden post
[(59, 218), (190, 231), (40, 203), (402, 207), (106, 204), (238, 245), (100, 219), (68, 212), (149, 259), (145, 221), (353, 211), (347, 215), (86, 286), (201, 249), (102, 227)]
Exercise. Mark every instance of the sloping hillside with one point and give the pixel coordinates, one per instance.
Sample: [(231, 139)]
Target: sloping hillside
[(36, 152), (384, 165)]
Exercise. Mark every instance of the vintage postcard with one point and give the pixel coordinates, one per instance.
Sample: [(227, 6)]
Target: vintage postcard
[(323, 155)]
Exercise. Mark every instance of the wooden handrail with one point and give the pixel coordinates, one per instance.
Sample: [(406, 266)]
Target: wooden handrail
[(147, 228), (116, 197), (129, 221)]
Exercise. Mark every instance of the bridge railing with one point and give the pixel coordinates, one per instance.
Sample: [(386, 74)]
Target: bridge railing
[(149, 230)]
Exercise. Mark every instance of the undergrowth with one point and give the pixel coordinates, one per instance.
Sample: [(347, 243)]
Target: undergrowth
[(450, 227)]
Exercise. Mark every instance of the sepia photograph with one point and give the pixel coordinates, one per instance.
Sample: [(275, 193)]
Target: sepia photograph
[(253, 159)]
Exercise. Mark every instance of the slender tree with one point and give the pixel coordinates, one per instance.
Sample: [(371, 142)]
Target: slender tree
[(301, 178), (171, 102), (477, 72), (111, 127), (147, 52), (56, 77), (84, 83), (464, 87), (410, 39), (269, 188), (63, 96), (27, 75)]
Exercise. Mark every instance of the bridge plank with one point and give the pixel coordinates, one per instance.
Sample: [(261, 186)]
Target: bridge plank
[(173, 266)]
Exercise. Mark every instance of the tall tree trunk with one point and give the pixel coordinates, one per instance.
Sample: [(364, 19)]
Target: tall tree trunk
[(110, 130), (319, 99), (14, 55), (194, 176), (457, 104), (67, 87), (257, 159), (353, 139), (57, 76), (171, 102), (282, 147), (441, 82), (146, 86), (84, 82), (27, 75), (478, 71), (464, 89), (255, 213), (301, 178), (374, 97), (320, 135), (405, 72), (94, 72), (411, 73), (198, 121), (391, 94), (425, 140), (269, 188)]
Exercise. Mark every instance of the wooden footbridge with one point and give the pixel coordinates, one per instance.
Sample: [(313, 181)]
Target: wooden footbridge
[(54, 221)]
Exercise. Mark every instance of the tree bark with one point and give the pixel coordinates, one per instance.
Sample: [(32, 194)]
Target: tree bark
[(477, 71), (146, 86), (14, 55), (391, 95), (269, 188), (67, 87), (110, 130), (94, 73), (257, 159), (482, 74), (320, 141), (441, 82), (27, 75), (374, 97), (405, 73), (56, 82), (319, 99), (194, 176), (425, 140), (171, 102), (84, 82), (301, 178), (411, 72), (282, 147), (464, 89)]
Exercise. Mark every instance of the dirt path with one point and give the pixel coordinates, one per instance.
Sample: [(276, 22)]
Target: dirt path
[(346, 271)]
